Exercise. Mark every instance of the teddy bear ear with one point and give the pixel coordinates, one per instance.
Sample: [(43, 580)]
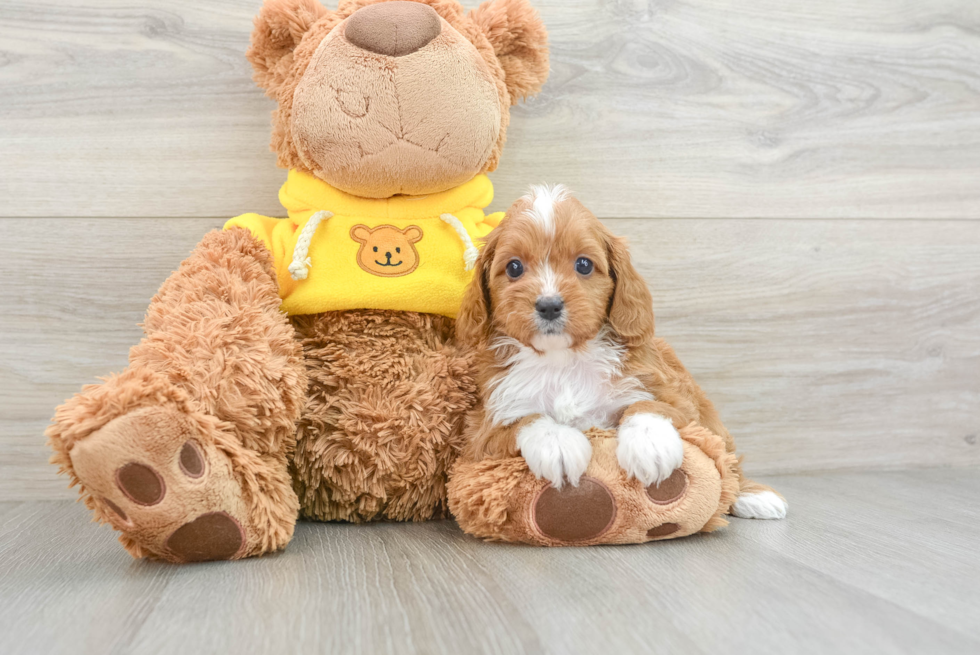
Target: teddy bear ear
[(413, 233), (360, 233), (520, 41), (279, 28)]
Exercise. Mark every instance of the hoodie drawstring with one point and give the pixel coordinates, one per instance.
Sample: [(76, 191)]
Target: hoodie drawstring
[(470, 253), (301, 264)]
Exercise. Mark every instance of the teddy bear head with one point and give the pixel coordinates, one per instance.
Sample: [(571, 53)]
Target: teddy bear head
[(386, 97)]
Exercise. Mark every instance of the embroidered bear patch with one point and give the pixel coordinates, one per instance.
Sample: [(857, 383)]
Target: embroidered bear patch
[(387, 251)]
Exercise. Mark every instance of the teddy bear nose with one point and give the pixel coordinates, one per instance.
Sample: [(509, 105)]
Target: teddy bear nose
[(393, 28)]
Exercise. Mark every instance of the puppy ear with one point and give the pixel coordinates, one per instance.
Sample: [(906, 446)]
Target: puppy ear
[(519, 40), (474, 319), (631, 305), (279, 28)]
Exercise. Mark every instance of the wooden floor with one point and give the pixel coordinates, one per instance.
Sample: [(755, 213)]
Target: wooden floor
[(880, 562)]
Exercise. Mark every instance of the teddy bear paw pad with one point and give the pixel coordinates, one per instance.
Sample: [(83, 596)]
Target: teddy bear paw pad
[(669, 490), (141, 484), (663, 530), (213, 536), (574, 514)]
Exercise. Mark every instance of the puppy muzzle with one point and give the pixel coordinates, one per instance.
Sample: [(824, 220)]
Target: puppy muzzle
[(550, 315)]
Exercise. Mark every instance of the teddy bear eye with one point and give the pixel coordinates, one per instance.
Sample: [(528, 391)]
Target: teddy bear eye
[(398, 249), (583, 266), (375, 249), (515, 269)]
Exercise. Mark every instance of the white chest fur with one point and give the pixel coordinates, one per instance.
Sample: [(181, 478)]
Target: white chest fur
[(581, 388)]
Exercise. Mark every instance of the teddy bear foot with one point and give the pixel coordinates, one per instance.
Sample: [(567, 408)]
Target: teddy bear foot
[(502, 500), (166, 487), (588, 512)]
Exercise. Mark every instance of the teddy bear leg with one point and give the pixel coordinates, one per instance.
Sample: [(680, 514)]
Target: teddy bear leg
[(502, 500), (186, 451), (388, 394)]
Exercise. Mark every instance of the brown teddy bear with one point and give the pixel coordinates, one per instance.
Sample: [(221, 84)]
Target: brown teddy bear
[(306, 366)]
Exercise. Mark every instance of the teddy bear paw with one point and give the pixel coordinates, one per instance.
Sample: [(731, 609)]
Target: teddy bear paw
[(164, 486)]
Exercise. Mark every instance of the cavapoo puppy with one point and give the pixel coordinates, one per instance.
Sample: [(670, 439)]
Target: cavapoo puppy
[(562, 324)]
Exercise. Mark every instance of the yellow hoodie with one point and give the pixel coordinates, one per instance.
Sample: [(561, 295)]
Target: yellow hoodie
[(407, 253)]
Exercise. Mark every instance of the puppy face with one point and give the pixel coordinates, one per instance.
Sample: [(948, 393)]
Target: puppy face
[(552, 276)]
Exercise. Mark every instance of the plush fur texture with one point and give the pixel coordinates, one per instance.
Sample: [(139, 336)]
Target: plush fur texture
[(384, 415), (596, 359), (233, 419), (375, 125), (220, 355)]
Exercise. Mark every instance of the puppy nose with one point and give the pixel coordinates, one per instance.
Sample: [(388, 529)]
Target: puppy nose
[(393, 28), (549, 308)]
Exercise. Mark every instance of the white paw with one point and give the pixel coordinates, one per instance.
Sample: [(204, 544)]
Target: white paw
[(554, 451), (762, 505), (649, 448)]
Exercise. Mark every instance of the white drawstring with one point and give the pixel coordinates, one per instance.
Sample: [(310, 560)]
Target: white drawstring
[(470, 253), (301, 265)]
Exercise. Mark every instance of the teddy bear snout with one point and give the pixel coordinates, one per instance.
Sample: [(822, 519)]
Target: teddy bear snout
[(393, 28)]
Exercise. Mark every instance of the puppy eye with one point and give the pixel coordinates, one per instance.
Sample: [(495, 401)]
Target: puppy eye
[(515, 269), (583, 266)]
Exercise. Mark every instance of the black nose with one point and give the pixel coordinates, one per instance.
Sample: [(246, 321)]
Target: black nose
[(388, 255), (549, 308)]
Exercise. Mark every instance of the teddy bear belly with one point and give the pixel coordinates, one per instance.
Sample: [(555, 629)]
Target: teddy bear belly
[(383, 417)]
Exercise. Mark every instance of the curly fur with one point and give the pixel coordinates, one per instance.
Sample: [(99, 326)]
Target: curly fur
[(384, 415)]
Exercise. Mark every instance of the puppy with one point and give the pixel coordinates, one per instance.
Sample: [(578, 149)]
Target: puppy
[(562, 325)]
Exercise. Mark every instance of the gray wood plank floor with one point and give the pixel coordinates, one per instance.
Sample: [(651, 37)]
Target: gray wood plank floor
[(866, 563)]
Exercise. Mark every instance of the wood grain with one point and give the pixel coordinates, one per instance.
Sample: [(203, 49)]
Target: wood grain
[(702, 108), (825, 344), (849, 571)]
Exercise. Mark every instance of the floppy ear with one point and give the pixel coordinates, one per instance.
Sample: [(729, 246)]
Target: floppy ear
[(519, 40), (631, 305), (413, 233), (360, 233), (279, 28), (474, 318)]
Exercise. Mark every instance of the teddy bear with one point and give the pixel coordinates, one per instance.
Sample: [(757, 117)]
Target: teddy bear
[(306, 366)]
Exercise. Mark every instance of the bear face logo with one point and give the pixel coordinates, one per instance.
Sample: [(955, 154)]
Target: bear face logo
[(387, 251)]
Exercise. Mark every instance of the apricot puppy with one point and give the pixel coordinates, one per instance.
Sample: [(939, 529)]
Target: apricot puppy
[(563, 327)]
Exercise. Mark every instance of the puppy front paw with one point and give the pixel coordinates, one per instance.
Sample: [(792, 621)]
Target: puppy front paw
[(650, 448), (554, 451)]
